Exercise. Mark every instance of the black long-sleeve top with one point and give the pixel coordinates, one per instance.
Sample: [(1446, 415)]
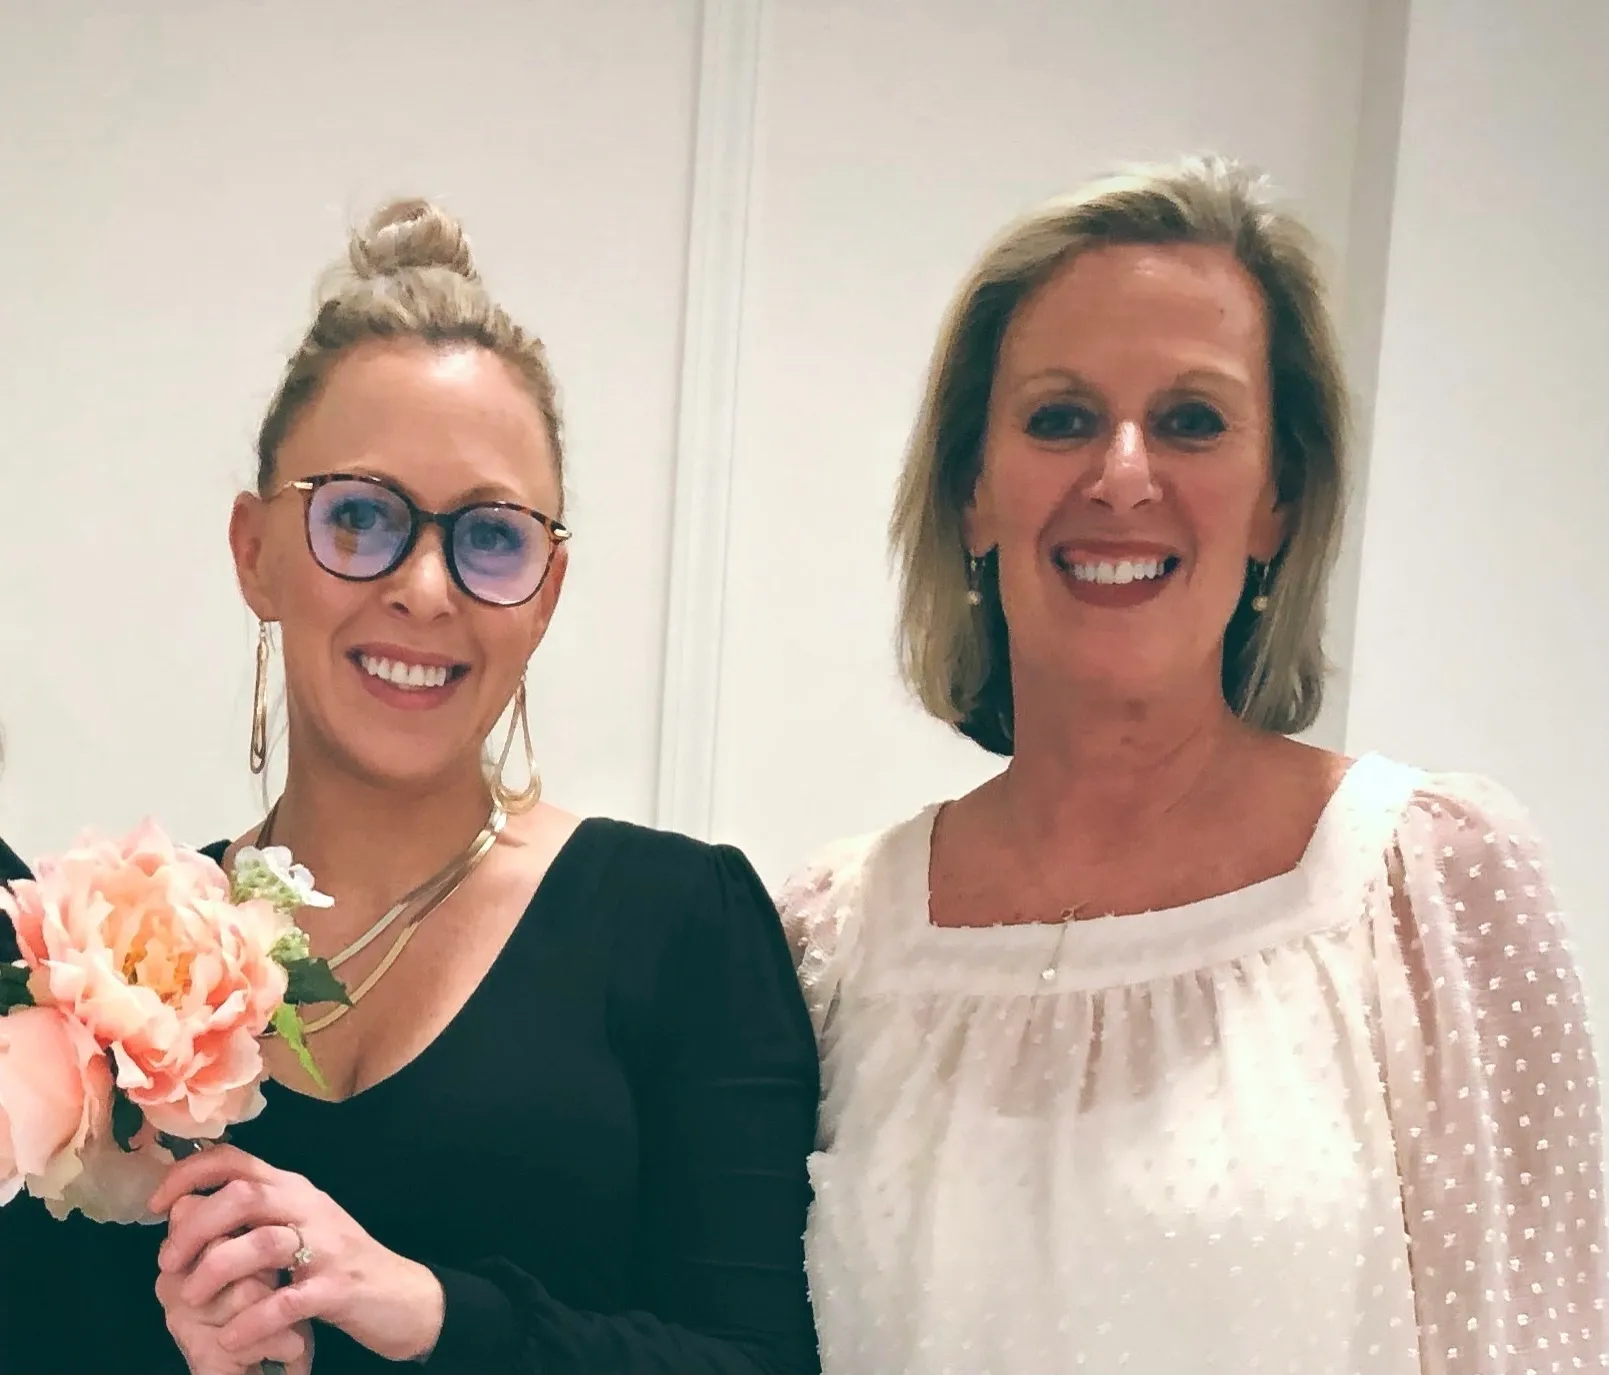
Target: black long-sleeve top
[(11, 865), (602, 1158)]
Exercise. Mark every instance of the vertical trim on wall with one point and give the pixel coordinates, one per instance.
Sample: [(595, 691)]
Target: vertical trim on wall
[(1368, 253), (723, 153)]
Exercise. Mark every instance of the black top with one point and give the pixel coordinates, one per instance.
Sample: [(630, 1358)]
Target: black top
[(602, 1157), (11, 865)]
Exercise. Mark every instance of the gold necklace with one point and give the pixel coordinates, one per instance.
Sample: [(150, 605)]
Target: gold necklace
[(416, 905)]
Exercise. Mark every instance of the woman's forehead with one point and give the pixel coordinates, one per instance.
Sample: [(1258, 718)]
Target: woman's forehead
[(1198, 297), (448, 424)]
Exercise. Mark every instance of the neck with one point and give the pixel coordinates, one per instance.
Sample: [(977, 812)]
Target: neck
[(1100, 768), (368, 843)]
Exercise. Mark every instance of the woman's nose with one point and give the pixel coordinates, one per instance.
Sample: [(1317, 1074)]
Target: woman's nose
[(1125, 479), (422, 586)]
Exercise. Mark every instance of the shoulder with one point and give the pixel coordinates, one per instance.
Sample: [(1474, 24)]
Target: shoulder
[(673, 893), (824, 903), (697, 936), (1468, 830), (1469, 810), (676, 865), (1472, 867), (833, 881), (1440, 819)]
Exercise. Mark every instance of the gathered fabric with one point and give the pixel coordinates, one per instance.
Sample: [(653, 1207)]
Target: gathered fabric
[(1345, 1121)]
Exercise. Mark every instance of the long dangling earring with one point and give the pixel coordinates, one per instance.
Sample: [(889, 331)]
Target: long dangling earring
[(1265, 577), (526, 798), (259, 702), (974, 579)]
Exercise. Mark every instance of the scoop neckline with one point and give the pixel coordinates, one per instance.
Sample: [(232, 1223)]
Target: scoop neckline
[(562, 859), (1140, 946)]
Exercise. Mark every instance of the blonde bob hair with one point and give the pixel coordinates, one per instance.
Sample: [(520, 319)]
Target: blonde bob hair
[(955, 656)]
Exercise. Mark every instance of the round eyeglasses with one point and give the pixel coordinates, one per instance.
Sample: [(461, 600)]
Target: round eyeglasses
[(361, 527)]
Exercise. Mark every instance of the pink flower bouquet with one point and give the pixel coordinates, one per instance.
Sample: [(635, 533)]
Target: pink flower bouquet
[(131, 1028)]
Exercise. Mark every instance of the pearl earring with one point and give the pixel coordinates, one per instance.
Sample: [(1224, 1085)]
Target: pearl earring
[(1265, 576)]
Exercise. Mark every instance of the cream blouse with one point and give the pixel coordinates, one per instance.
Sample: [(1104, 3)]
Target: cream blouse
[(1345, 1121)]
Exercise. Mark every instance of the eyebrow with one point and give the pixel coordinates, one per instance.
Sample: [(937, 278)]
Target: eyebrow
[(475, 495), (1190, 378), (489, 492)]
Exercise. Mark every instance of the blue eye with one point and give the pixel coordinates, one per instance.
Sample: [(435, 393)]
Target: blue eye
[(1060, 421), (493, 534), (360, 515), (1193, 421)]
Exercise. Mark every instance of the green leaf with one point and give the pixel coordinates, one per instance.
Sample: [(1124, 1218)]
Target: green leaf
[(287, 1023), (313, 981), (127, 1120), (14, 988)]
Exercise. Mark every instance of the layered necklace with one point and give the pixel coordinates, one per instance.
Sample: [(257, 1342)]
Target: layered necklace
[(410, 909)]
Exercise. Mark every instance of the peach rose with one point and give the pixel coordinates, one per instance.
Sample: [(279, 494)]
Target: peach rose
[(139, 941), (55, 1096)]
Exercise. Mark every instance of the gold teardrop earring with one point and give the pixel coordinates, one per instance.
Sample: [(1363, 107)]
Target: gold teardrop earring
[(508, 798), (259, 702)]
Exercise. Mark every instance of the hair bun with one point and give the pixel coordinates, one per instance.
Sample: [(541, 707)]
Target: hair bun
[(411, 234)]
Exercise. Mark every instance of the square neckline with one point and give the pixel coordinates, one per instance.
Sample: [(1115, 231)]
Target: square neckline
[(1131, 948)]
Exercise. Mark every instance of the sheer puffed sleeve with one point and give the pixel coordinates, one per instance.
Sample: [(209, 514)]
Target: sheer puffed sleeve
[(815, 903), (1494, 1093)]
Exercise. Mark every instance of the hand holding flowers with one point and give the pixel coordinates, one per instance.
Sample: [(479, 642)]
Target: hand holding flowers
[(234, 1217)]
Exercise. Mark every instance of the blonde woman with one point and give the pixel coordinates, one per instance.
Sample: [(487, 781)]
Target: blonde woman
[(1179, 1045), (568, 1111)]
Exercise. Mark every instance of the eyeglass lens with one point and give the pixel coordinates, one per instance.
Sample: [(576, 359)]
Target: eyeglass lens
[(362, 530)]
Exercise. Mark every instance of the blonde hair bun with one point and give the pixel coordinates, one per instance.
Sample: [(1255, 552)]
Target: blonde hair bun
[(411, 234)]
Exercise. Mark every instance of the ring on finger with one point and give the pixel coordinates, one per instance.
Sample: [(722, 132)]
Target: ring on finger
[(303, 1256)]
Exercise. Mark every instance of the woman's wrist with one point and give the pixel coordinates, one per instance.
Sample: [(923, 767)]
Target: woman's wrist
[(417, 1308)]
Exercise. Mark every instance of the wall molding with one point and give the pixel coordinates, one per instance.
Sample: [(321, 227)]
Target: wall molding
[(723, 155)]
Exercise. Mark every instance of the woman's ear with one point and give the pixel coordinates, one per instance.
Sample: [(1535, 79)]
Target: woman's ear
[(246, 542), (977, 522), (1270, 525)]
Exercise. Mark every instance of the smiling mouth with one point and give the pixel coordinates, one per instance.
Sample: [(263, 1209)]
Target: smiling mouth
[(1117, 572), (409, 676)]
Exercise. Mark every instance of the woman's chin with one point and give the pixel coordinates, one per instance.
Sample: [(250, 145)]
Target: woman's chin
[(408, 767), (1129, 675)]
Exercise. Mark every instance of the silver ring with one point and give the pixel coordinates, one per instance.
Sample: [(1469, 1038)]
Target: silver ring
[(304, 1253)]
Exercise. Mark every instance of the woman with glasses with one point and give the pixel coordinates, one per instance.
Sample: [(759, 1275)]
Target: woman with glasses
[(569, 1106)]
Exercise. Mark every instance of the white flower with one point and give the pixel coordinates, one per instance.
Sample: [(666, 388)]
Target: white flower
[(272, 874)]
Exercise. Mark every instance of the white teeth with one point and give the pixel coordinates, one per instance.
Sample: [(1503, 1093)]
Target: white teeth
[(403, 675), (1123, 571)]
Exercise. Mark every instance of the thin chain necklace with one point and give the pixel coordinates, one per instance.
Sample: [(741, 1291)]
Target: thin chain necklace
[(415, 906)]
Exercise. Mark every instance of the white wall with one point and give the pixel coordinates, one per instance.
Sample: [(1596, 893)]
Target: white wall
[(177, 174), (1482, 636), (737, 224)]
